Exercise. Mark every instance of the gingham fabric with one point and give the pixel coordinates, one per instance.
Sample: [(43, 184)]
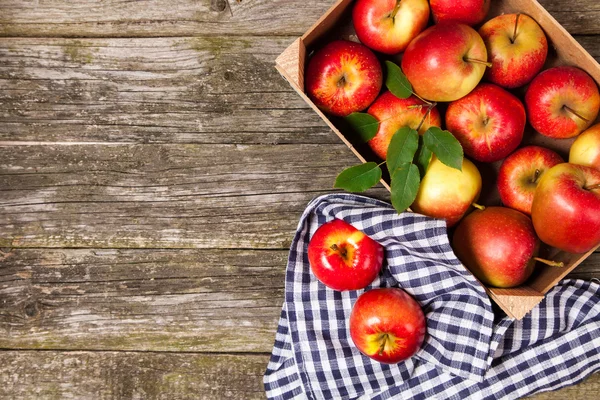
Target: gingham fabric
[(467, 353)]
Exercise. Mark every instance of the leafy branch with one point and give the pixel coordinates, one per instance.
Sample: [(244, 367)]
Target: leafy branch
[(408, 154)]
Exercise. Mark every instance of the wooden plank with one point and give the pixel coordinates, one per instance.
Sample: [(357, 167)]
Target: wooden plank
[(150, 300), (154, 18), (153, 376), (158, 90), (130, 375), (162, 196)]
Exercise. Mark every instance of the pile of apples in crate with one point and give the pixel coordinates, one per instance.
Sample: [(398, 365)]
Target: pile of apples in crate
[(485, 86)]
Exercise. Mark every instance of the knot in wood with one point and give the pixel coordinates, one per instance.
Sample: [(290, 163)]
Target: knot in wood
[(32, 310), (218, 5)]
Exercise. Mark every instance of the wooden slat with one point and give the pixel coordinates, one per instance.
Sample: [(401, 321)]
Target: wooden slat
[(162, 196), (158, 300), (120, 375), (113, 18), (156, 376), (156, 90)]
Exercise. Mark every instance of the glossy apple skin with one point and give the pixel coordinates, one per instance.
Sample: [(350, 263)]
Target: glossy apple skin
[(553, 90), (388, 311), (377, 30), (469, 12), (497, 245), (514, 63), (586, 148), (394, 113), (344, 258), (343, 77), (434, 62), (447, 193), (566, 208), (489, 122), (520, 174)]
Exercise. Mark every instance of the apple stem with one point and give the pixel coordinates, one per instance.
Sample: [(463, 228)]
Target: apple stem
[(429, 108), (476, 61), (383, 339), (559, 264), (396, 9), (569, 109), (536, 176), (515, 31), (593, 187), (478, 206)]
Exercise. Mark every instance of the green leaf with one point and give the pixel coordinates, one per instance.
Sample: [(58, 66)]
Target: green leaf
[(423, 157), (359, 177), (445, 147), (402, 148), (364, 125), (405, 185), (397, 82)]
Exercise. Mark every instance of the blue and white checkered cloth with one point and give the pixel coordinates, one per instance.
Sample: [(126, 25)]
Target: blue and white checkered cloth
[(467, 353)]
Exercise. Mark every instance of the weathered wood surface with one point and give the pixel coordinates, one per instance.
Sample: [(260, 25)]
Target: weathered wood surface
[(156, 18), (130, 375), (135, 258)]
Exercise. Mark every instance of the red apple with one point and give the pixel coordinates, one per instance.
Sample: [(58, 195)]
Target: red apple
[(394, 113), (469, 12), (586, 148), (497, 245), (445, 62), (342, 257), (387, 325), (388, 26), (343, 77), (517, 48), (446, 192), (520, 173), (562, 102), (489, 122), (566, 208)]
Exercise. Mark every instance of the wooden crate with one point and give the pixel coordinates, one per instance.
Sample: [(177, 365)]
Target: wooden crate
[(563, 50)]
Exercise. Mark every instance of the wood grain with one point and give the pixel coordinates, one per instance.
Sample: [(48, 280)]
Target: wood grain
[(113, 18), (158, 90), (130, 375), (162, 196)]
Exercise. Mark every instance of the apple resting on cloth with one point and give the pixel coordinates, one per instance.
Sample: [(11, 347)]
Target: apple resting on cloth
[(342, 257), (388, 26), (445, 62), (517, 48), (387, 325), (566, 208), (586, 148), (469, 12), (562, 102), (394, 113), (497, 245), (446, 192), (520, 173), (343, 77), (488, 122)]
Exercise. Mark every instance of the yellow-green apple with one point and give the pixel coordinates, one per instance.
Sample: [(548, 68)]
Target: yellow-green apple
[(566, 208), (562, 102), (387, 325), (388, 26), (445, 62), (394, 113), (497, 245), (488, 122), (447, 192), (342, 257), (585, 150), (520, 173), (469, 12), (517, 48), (343, 77)]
